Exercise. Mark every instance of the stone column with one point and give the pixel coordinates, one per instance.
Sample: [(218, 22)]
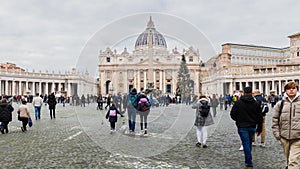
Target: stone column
[(145, 79), (47, 88), (33, 88), (266, 87), (160, 79), (53, 87), (138, 80), (280, 87), (230, 88), (164, 81), (69, 89), (241, 85), (173, 82), (40, 87), (13, 92), (59, 86), (6, 88), (20, 87)]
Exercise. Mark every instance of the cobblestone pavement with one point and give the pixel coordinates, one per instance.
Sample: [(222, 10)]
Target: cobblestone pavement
[(80, 138)]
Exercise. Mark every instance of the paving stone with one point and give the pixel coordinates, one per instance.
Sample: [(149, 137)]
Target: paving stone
[(73, 140)]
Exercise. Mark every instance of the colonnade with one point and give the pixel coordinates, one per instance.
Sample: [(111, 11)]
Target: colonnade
[(228, 84), (12, 84), (20, 87)]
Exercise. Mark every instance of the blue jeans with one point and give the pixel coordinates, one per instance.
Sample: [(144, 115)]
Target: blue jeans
[(131, 118), (246, 135), (37, 110)]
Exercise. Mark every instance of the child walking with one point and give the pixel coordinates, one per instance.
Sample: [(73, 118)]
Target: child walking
[(111, 115)]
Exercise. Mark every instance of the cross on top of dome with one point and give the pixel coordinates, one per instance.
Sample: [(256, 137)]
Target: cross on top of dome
[(150, 23)]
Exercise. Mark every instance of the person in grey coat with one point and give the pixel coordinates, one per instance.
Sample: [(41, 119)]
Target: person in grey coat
[(201, 122)]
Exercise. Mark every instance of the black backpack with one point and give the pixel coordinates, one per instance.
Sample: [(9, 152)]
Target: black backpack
[(204, 108), (264, 107)]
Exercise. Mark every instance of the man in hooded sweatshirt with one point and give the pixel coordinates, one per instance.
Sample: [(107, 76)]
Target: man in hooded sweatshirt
[(246, 112)]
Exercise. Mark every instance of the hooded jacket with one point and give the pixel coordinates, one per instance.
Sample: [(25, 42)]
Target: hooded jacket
[(246, 113), (287, 125), (6, 112), (199, 120)]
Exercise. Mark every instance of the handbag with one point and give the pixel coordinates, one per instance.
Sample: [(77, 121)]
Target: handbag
[(30, 122)]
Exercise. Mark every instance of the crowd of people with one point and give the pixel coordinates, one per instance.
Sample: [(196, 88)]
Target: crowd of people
[(248, 109)]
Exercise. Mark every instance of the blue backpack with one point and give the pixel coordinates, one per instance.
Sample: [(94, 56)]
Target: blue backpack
[(132, 100)]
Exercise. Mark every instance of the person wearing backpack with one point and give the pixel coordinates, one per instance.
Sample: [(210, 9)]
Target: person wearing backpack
[(6, 110), (132, 109), (264, 109), (143, 109), (111, 115), (246, 113), (203, 119), (285, 124)]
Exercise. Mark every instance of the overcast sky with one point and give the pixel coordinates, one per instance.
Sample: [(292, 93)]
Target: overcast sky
[(51, 35)]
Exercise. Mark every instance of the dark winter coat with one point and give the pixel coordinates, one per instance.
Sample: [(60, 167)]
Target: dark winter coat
[(112, 119), (52, 101), (246, 113), (202, 121), (6, 112)]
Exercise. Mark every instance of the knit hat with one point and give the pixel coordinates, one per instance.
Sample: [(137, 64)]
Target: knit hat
[(247, 90)]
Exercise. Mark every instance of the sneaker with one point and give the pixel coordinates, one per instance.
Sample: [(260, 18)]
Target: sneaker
[(198, 144), (262, 145), (204, 146), (253, 144), (241, 148)]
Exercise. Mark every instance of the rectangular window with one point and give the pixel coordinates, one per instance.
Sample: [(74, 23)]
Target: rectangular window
[(191, 59), (108, 59), (108, 75)]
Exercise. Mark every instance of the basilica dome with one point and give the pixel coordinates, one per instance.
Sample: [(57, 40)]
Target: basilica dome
[(151, 37)]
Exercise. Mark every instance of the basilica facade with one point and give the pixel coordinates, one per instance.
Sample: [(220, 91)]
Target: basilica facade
[(150, 65)]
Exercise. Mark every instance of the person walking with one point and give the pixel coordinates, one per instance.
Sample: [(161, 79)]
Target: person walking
[(221, 101), (108, 101), (285, 124), (143, 110), (82, 100), (246, 112), (100, 102), (203, 120), (131, 109), (5, 115), (214, 104), (112, 116), (37, 103), (24, 115), (52, 104), (262, 101)]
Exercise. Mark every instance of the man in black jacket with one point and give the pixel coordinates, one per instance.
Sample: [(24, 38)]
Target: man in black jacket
[(246, 113)]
